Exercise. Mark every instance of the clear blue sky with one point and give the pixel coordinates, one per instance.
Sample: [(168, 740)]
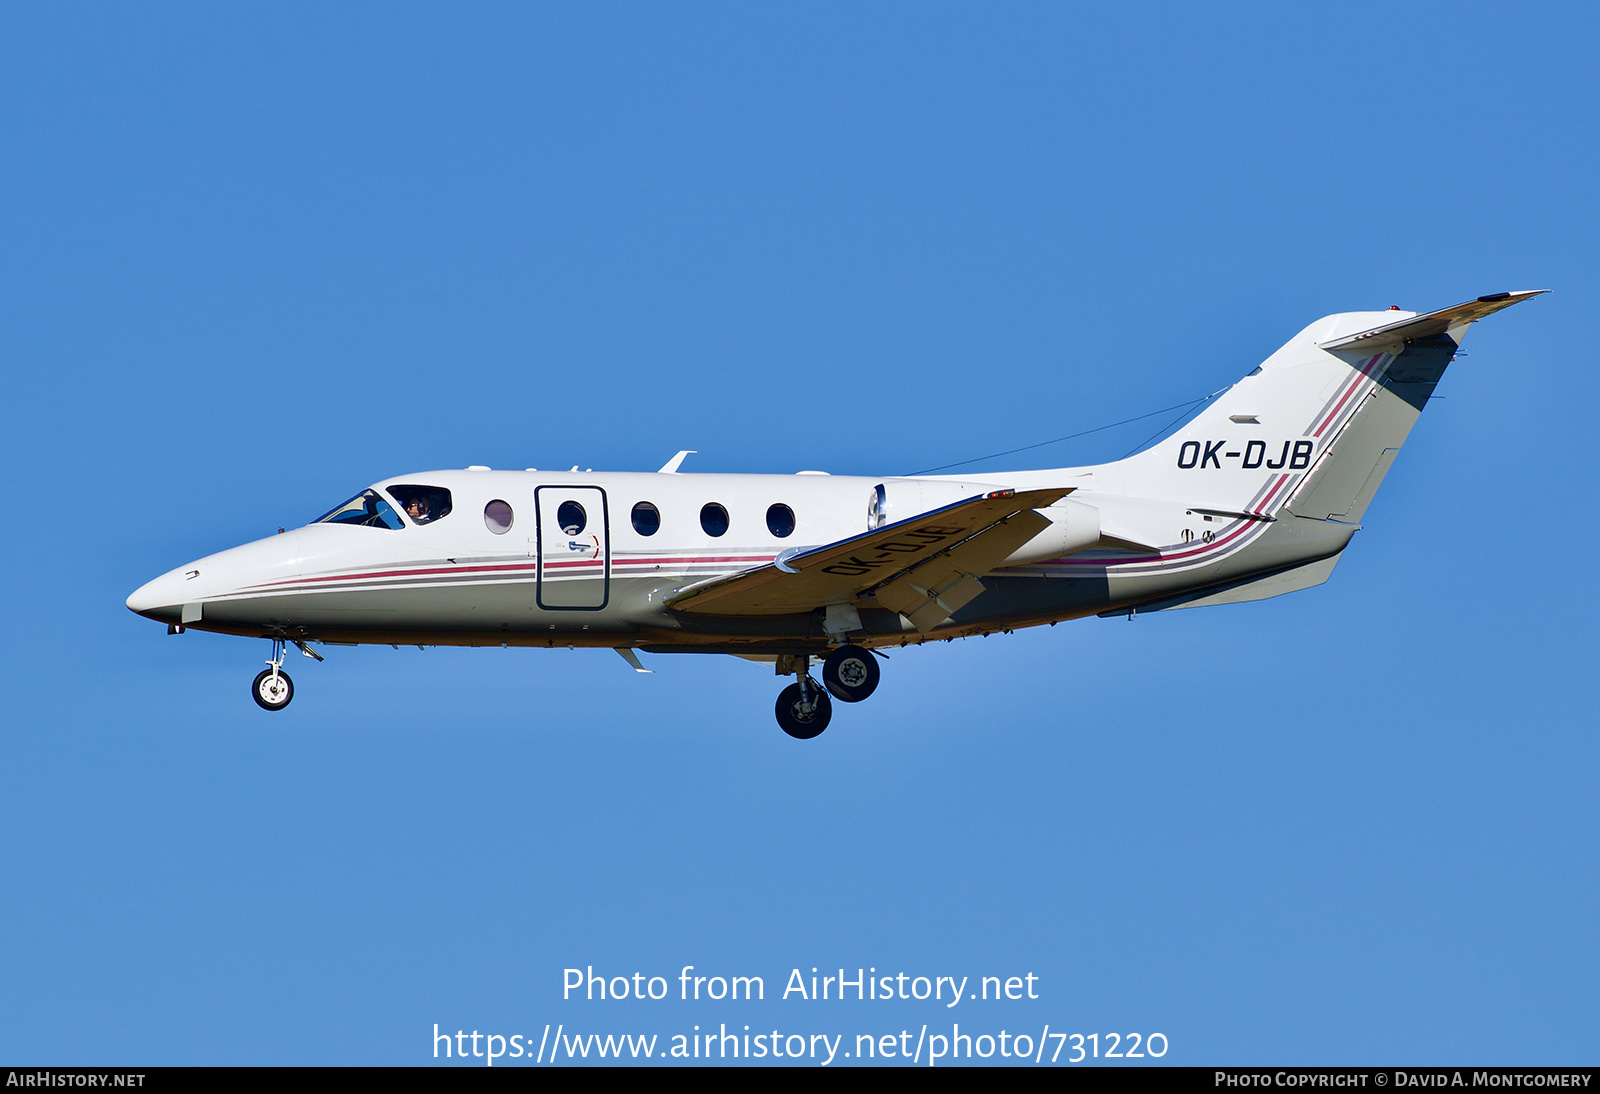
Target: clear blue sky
[(255, 257)]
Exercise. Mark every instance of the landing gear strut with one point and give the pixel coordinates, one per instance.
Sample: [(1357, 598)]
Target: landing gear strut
[(273, 689), (849, 674), (804, 709)]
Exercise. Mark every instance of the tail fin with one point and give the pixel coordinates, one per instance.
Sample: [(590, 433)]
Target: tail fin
[(1316, 426)]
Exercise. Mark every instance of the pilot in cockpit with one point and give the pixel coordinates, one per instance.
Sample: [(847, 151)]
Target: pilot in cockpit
[(417, 510)]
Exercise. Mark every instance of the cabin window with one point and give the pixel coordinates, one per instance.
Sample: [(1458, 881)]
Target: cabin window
[(497, 517), (571, 518), (780, 520), (646, 519), (422, 504), (367, 509), (714, 519)]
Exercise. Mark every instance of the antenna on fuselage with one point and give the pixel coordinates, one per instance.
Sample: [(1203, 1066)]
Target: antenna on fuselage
[(672, 465)]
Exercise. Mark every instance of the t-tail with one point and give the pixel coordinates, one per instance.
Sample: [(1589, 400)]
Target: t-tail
[(1314, 429)]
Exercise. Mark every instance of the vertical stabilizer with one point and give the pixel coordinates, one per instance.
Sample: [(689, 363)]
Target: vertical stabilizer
[(1316, 427)]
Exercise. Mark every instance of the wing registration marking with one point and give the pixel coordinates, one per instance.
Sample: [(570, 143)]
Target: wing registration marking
[(894, 552)]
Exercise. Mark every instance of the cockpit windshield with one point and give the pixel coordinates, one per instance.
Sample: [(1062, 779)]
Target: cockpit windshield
[(367, 509), (423, 504)]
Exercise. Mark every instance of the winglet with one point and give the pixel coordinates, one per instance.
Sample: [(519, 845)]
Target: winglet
[(1433, 323), (672, 465)]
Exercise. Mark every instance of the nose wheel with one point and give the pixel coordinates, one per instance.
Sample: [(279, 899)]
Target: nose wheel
[(273, 689)]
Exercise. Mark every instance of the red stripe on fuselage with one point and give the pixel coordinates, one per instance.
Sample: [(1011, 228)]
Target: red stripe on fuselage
[(503, 568), (1161, 557)]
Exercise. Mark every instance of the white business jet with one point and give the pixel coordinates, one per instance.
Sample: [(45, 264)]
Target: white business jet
[(1255, 497)]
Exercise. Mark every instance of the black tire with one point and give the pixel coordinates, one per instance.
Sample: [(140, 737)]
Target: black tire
[(797, 723), (850, 673), (261, 690)]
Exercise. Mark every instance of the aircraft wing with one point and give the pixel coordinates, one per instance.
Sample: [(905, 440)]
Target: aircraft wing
[(1434, 322), (928, 564)]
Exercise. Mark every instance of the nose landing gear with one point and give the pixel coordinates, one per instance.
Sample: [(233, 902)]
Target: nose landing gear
[(273, 689)]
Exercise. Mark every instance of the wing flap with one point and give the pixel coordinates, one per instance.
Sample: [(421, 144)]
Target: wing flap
[(837, 573), (935, 590)]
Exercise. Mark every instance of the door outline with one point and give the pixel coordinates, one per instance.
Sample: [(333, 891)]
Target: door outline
[(605, 525)]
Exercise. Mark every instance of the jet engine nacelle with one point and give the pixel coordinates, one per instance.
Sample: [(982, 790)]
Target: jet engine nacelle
[(1074, 526), (901, 499)]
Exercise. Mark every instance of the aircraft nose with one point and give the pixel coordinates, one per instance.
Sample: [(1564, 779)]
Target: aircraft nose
[(159, 598)]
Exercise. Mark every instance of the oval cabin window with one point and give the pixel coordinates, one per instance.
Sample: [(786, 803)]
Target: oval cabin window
[(646, 519), (714, 519), (497, 517), (780, 521), (571, 518)]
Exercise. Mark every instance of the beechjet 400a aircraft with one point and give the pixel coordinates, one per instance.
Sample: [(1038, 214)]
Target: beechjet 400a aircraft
[(1255, 497)]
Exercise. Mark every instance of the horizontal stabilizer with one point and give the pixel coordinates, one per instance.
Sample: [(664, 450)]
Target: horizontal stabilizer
[(1431, 324), (968, 538)]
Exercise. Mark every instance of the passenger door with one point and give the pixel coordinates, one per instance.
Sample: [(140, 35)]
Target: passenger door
[(574, 547)]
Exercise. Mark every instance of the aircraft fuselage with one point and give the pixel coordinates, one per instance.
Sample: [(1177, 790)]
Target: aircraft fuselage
[(525, 580)]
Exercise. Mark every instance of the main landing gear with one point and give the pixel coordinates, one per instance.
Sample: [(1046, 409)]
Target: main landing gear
[(851, 673), (804, 708)]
